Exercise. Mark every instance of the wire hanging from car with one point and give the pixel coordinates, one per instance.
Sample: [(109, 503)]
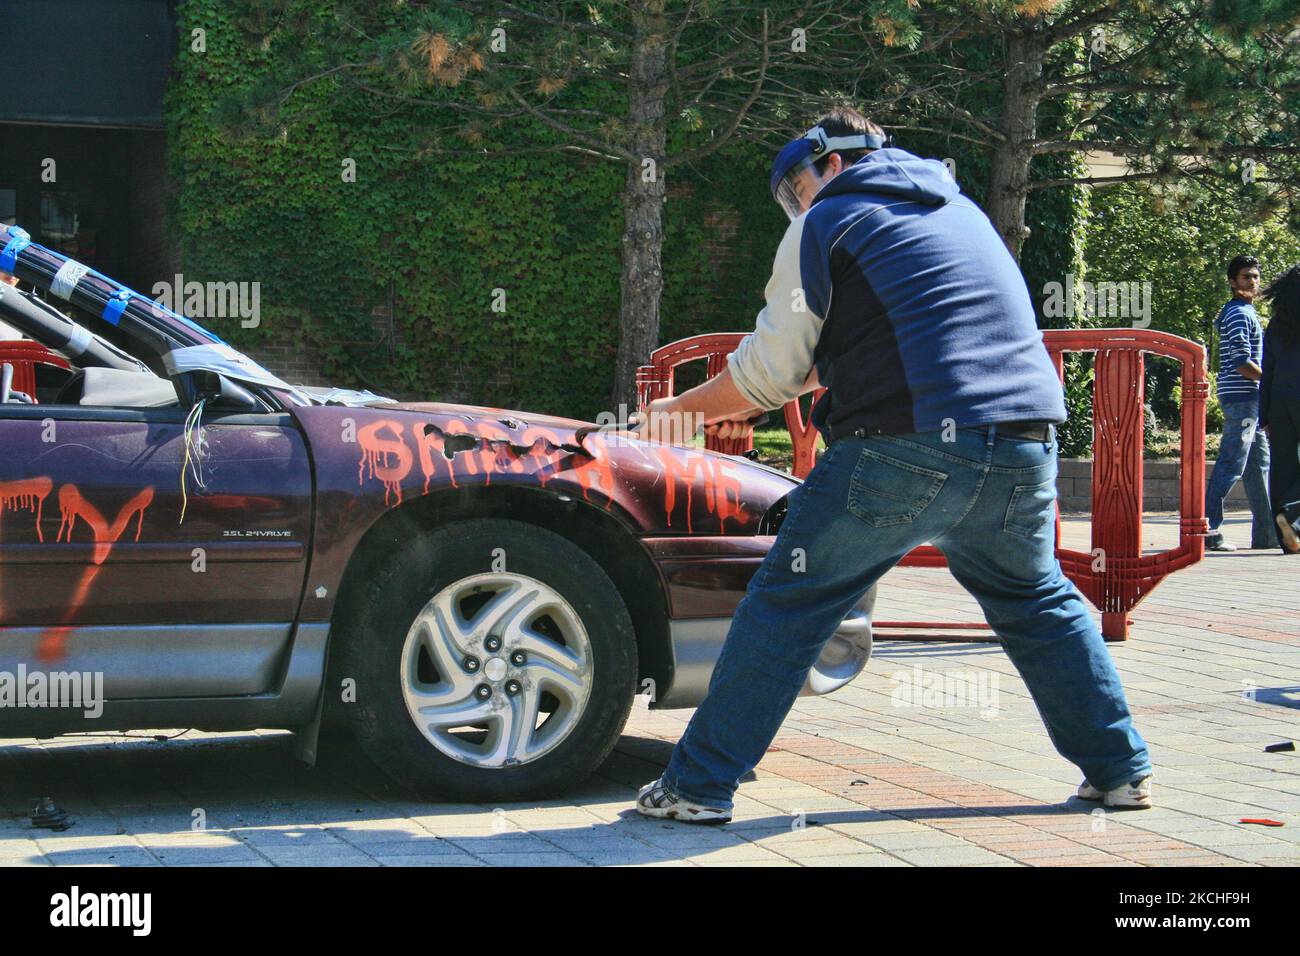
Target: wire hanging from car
[(192, 435)]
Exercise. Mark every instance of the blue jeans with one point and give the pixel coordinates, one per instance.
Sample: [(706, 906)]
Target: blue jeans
[(987, 502), (1240, 459)]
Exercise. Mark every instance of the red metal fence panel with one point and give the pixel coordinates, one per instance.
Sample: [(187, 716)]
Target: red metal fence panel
[(1115, 575)]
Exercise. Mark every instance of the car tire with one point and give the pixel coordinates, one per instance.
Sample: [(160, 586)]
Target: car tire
[(433, 604)]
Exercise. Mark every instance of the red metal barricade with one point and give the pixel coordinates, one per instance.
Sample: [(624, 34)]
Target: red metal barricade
[(24, 356), (1115, 575)]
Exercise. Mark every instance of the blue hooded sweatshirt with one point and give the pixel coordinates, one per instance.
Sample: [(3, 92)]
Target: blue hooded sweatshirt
[(900, 292)]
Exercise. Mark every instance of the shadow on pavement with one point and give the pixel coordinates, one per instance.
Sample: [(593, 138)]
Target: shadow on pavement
[(250, 789)]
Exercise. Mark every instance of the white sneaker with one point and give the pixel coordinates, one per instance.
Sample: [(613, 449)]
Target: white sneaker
[(1134, 795), (656, 800)]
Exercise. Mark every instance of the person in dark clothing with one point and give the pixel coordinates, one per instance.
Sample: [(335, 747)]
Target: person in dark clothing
[(1279, 405)]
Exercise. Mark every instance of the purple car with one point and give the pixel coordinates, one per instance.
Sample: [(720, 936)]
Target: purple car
[(479, 594)]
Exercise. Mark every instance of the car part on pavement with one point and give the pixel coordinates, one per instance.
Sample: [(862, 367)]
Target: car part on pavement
[(48, 815)]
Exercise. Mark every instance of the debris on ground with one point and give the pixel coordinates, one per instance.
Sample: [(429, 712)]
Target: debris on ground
[(48, 815)]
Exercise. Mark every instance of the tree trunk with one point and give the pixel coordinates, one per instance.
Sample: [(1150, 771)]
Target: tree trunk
[(1018, 122), (642, 280)]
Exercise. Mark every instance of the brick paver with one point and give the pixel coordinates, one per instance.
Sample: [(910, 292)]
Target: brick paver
[(858, 778)]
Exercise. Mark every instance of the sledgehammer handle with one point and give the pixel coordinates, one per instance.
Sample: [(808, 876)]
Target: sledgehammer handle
[(586, 430)]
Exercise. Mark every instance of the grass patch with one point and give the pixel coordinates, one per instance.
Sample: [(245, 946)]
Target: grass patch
[(775, 448)]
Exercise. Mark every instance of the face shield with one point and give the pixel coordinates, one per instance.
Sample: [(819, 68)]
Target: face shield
[(795, 181), (797, 188)]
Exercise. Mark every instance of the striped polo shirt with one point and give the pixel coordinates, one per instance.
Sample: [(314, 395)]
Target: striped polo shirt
[(1241, 340)]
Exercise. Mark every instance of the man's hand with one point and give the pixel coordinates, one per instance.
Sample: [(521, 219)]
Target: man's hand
[(730, 429), (671, 421), (667, 421)]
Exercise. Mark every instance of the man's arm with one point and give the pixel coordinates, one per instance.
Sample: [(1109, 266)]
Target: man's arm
[(771, 366), (717, 404), (717, 400), (1250, 370)]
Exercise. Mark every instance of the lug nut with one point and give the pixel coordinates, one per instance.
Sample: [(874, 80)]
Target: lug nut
[(470, 664), (493, 643), (518, 658), (512, 687), (482, 691)]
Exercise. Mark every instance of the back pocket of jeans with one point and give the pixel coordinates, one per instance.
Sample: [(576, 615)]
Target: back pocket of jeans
[(885, 491), (1030, 509)]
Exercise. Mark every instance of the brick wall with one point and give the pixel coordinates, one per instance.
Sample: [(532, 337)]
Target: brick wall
[(294, 361), (1160, 481), (291, 357)]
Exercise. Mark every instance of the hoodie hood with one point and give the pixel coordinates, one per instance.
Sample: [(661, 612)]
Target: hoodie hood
[(895, 172)]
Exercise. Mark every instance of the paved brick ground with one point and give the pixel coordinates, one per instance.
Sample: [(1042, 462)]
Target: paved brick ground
[(1212, 670)]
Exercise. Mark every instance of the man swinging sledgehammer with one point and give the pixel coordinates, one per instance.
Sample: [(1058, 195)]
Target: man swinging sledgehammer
[(895, 292)]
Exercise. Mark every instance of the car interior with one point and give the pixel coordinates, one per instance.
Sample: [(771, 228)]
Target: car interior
[(49, 357)]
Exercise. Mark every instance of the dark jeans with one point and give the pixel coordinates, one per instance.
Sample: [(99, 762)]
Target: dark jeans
[(1284, 467), (988, 502)]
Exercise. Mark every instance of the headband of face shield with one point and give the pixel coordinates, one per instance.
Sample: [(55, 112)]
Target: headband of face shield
[(795, 182)]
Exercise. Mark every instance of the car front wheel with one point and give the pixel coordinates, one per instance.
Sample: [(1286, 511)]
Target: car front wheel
[(492, 659)]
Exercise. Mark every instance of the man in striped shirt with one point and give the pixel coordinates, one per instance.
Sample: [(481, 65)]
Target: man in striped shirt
[(1243, 450)]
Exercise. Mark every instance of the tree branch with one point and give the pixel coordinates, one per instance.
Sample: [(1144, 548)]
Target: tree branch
[(575, 134), (737, 119)]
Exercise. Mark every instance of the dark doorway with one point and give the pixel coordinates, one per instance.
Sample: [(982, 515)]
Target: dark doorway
[(97, 195)]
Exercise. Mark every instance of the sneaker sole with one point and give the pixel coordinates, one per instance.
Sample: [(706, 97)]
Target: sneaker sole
[(683, 818), (1131, 806), (1097, 796), (1116, 806)]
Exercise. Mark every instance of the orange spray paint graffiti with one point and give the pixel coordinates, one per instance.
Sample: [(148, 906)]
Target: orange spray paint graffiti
[(29, 494), (728, 493), (428, 440), (375, 451), (543, 445), (479, 449), (483, 450), (721, 489), (73, 505)]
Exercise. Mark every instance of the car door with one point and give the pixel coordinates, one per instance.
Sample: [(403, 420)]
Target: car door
[(112, 560)]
